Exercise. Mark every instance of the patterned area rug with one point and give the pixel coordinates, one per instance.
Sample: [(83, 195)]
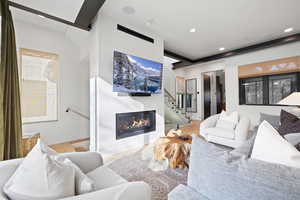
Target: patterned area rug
[(140, 166)]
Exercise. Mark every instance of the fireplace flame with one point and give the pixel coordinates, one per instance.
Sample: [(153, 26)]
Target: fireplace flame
[(135, 123)]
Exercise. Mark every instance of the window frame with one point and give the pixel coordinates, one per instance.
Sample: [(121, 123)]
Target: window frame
[(43, 54), (266, 81)]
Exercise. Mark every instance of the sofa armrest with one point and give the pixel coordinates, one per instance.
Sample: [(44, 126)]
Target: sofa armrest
[(242, 130), (126, 191), (208, 123), (86, 161)]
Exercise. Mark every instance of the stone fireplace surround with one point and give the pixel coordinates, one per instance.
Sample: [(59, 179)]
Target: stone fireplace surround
[(135, 123)]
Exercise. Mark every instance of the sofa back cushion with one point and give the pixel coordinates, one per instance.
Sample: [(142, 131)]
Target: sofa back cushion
[(217, 174), (227, 120)]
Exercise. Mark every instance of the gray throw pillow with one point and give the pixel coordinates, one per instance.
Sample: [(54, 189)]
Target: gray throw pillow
[(274, 120), (293, 138)]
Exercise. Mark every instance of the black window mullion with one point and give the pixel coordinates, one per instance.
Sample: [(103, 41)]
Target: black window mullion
[(298, 82), (265, 90)]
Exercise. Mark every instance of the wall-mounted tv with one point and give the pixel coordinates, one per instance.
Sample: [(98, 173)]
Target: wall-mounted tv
[(132, 74)]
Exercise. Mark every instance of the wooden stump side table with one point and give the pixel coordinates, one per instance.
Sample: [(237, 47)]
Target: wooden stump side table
[(173, 148)]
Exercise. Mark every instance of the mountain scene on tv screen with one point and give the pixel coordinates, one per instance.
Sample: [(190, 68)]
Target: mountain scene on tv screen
[(136, 75)]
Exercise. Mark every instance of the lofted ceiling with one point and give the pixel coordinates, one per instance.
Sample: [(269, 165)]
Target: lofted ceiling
[(219, 23), (232, 24), (64, 9)]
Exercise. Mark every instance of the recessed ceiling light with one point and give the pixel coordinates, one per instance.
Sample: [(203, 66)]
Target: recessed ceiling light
[(128, 10), (150, 22), (288, 30), (221, 48), (192, 30), (41, 16)]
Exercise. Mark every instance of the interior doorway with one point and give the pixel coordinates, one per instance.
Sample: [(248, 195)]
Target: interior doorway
[(213, 97)]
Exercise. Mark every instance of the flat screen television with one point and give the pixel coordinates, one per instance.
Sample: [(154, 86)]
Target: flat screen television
[(132, 74)]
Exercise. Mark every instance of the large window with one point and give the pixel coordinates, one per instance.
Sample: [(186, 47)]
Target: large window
[(39, 86), (268, 90)]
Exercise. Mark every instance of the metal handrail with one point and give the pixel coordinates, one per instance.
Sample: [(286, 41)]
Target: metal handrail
[(78, 113), (169, 94)]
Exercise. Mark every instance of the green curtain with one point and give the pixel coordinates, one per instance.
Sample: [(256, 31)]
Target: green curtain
[(10, 109)]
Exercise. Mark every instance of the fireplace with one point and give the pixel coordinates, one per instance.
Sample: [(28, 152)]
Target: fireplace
[(134, 123)]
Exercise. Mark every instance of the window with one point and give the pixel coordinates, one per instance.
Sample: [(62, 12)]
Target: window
[(39, 86), (268, 90), (280, 87), (253, 90)]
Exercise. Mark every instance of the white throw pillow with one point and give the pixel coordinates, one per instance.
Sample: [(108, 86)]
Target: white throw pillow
[(270, 146), (41, 177), (82, 182), (228, 121)]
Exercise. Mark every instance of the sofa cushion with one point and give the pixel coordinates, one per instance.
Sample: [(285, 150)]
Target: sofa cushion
[(41, 177), (217, 174), (104, 177), (125, 191), (219, 132), (183, 192), (270, 146)]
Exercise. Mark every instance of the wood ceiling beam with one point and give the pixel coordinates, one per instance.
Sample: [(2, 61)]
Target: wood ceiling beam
[(182, 60), (88, 12)]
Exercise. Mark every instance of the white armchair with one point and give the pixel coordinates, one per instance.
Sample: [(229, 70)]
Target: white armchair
[(223, 136), (112, 185)]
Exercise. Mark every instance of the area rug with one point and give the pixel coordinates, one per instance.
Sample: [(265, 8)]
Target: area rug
[(140, 166)]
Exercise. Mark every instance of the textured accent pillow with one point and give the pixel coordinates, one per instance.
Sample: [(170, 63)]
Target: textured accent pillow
[(274, 120), (228, 121), (41, 177), (289, 123), (270, 146)]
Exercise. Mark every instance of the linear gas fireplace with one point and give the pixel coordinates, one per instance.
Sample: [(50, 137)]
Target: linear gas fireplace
[(135, 123)]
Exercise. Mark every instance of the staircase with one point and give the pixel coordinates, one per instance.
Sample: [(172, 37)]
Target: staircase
[(173, 115)]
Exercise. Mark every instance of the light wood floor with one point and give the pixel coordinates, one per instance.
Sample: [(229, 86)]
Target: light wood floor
[(192, 128), (68, 147)]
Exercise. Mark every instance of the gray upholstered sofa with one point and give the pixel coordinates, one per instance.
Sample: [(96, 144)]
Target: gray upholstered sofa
[(215, 174), (114, 186)]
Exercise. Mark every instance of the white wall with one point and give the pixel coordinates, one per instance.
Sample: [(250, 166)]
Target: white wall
[(169, 79), (73, 83), (231, 77), (104, 102)]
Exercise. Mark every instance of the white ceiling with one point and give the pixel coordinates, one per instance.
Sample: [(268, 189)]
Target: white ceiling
[(27, 17), (65, 9), (219, 23)]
